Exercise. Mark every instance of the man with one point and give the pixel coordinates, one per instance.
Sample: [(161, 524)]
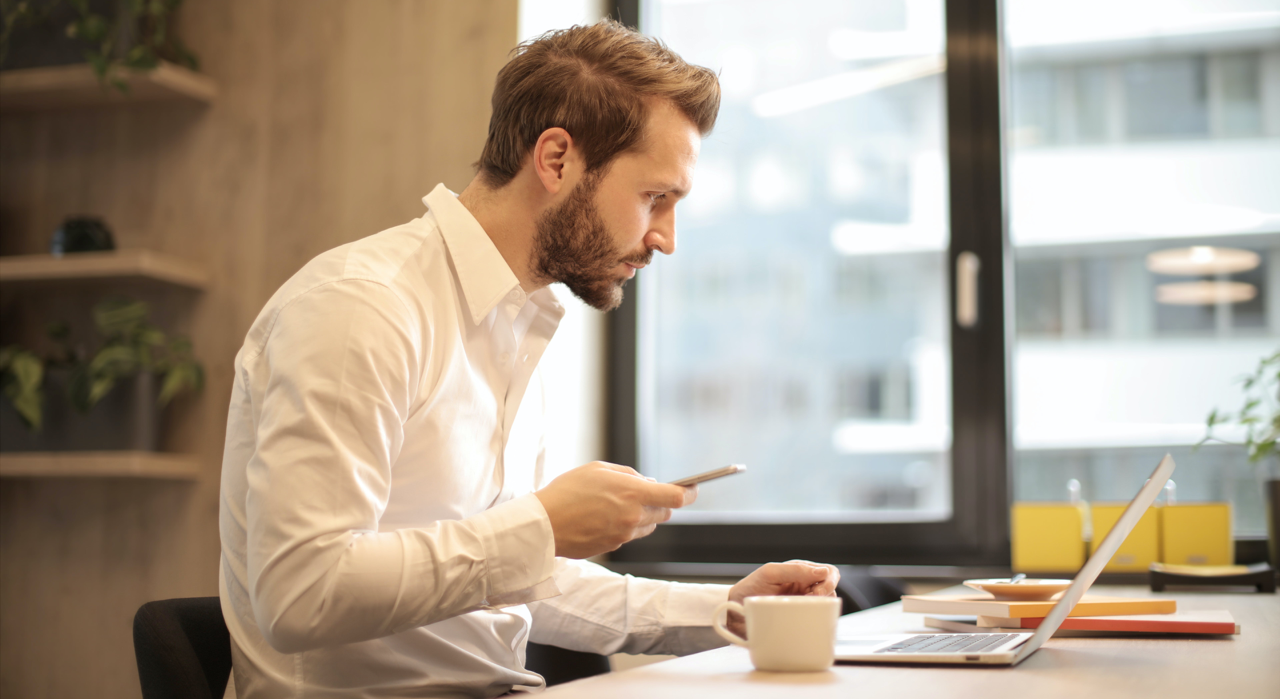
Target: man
[(386, 529)]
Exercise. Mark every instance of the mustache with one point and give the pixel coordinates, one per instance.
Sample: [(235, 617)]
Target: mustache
[(641, 259)]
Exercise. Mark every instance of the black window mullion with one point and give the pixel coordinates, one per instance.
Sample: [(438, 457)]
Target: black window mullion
[(979, 355)]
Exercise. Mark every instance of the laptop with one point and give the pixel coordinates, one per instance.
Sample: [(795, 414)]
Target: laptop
[(1005, 648)]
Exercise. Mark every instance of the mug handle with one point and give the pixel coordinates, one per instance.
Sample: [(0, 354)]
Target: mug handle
[(725, 633)]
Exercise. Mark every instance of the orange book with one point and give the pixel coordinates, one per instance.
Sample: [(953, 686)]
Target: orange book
[(984, 605), (1216, 622)]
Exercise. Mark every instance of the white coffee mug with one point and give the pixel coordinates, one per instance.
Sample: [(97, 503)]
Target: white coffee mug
[(787, 634)]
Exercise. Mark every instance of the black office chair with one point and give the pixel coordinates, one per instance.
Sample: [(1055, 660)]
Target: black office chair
[(183, 649), (184, 652), (859, 589), (559, 665)]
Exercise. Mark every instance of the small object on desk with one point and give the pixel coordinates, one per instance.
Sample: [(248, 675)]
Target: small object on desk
[(1258, 575), (1024, 588)]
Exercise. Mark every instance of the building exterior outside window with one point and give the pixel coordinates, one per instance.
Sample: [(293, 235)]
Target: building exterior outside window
[(802, 328)]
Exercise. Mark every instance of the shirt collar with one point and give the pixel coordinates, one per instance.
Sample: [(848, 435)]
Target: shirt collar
[(484, 275)]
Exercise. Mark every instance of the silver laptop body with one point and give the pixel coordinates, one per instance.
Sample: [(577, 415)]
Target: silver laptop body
[(1005, 648)]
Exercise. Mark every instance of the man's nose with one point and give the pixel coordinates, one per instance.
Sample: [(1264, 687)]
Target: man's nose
[(662, 235)]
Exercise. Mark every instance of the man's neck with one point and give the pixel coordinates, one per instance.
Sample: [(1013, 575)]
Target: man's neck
[(508, 215)]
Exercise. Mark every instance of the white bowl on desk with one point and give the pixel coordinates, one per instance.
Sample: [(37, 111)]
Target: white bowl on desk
[(1025, 590)]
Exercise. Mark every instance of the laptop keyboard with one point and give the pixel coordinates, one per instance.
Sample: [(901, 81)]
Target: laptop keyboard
[(948, 643)]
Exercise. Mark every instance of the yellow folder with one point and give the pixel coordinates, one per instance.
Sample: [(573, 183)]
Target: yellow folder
[(1047, 537), (1139, 550), (1197, 534)]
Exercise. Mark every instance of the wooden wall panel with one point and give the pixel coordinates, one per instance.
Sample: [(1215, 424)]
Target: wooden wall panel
[(334, 118)]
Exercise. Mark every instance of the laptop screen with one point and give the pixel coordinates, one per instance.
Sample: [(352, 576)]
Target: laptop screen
[(1093, 567)]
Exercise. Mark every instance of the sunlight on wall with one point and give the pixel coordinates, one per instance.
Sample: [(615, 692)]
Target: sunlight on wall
[(573, 367)]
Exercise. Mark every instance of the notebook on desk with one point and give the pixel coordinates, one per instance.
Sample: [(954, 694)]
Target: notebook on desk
[(1005, 648)]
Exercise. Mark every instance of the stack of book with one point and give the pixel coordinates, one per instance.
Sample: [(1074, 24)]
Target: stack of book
[(1093, 615)]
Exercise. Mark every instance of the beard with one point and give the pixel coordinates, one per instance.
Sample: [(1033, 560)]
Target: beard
[(573, 246)]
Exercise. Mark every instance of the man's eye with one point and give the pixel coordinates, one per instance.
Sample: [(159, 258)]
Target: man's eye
[(657, 198)]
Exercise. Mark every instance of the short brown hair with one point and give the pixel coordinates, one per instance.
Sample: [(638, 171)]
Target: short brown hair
[(596, 82)]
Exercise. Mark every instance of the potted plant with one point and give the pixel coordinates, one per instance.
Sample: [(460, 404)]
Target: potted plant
[(111, 35), (1259, 417), (104, 400)]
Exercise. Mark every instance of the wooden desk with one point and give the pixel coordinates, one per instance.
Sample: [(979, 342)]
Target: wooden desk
[(1238, 667)]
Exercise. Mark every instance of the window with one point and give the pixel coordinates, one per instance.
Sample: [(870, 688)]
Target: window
[(807, 328), (1120, 352)]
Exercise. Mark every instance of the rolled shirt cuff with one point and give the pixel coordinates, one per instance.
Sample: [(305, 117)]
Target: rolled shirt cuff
[(688, 617), (520, 552)]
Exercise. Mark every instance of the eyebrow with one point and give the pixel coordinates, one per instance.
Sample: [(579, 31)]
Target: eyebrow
[(680, 192)]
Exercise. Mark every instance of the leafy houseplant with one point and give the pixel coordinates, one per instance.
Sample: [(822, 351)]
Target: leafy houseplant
[(137, 35), (137, 39), (1260, 418), (131, 346), (1260, 415)]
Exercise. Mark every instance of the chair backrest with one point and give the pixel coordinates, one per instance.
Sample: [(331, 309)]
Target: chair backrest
[(183, 649), (559, 665), (860, 590)]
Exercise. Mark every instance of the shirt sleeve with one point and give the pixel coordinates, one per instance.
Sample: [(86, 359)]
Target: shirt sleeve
[(332, 387), (600, 611)]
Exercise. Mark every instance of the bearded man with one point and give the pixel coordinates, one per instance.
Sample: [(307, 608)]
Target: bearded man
[(386, 528)]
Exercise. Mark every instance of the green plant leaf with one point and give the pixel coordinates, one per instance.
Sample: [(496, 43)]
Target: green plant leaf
[(119, 316), (176, 380), (91, 28), (117, 360), (1214, 418), (148, 335), (1261, 450), (88, 387), (23, 375)]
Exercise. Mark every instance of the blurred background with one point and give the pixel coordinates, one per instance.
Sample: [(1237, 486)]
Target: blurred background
[(806, 326)]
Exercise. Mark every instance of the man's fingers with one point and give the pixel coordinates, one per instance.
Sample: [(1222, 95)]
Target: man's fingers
[(690, 495), (664, 495), (654, 515), (794, 572), (826, 588), (642, 532), (621, 469)]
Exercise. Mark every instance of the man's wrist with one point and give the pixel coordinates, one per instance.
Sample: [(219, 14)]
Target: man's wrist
[(519, 545)]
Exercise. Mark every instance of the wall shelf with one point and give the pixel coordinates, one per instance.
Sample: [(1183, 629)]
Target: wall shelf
[(99, 464), (114, 265), (59, 87)]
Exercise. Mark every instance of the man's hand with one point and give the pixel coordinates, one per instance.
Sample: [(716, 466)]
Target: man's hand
[(790, 578), (598, 507)]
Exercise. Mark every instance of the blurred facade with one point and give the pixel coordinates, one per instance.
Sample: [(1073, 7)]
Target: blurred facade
[(802, 328)]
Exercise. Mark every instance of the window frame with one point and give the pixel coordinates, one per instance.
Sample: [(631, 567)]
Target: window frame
[(978, 532)]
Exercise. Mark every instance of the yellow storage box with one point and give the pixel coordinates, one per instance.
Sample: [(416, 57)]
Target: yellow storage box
[(1047, 537), (1197, 534), (1139, 550)]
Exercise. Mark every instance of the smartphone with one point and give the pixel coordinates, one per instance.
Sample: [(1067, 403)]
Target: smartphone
[(710, 475)]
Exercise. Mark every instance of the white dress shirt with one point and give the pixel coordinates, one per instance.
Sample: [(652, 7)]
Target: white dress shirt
[(379, 533)]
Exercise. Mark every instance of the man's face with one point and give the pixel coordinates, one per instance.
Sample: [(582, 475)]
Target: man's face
[(611, 222)]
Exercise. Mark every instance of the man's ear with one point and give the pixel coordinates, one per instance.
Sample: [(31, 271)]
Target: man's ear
[(551, 154)]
